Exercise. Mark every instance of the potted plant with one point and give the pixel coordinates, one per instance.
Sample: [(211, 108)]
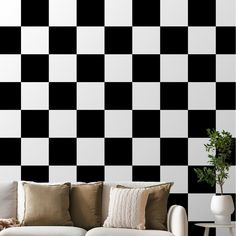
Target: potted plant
[(219, 150)]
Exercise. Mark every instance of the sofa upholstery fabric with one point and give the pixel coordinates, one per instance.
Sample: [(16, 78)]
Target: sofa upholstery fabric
[(44, 231), (126, 232), (8, 199)]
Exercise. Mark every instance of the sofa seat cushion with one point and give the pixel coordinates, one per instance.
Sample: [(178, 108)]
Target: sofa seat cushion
[(101, 231), (43, 231)]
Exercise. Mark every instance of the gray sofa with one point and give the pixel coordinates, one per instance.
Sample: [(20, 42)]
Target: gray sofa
[(12, 205)]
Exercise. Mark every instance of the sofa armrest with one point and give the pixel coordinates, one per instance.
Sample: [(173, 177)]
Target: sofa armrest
[(177, 221)]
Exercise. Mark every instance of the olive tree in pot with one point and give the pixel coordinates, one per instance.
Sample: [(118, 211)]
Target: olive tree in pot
[(219, 150)]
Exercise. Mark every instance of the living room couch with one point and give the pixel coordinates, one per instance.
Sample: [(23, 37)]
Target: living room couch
[(176, 217)]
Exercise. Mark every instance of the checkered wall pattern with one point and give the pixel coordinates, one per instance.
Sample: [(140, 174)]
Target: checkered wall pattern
[(116, 90)]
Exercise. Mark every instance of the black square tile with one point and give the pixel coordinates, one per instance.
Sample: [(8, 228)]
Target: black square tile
[(118, 96), (10, 151), (62, 96), (178, 199), (34, 13), (10, 40), (90, 173), (174, 96), (146, 12), (146, 68), (177, 154), (146, 123), (225, 96), (201, 68), (34, 123), (174, 40), (198, 187), (202, 13), (62, 151), (118, 151), (194, 230), (10, 96), (90, 123), (34, 68), (200, 121), (146, 173), (35, 173), (62, 40), (90, 13), (225, 40), (118, 40), (90, 68)]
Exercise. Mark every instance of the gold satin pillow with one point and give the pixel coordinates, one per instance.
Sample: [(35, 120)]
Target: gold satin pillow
[(156, 208), (47, 205), (86, 205)]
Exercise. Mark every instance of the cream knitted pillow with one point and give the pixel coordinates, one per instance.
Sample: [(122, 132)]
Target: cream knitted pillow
[(127, 208)]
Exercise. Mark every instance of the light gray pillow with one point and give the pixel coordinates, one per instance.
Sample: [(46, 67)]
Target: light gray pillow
[(8, 199)]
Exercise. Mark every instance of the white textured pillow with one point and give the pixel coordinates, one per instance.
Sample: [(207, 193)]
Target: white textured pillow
[(127, 208)]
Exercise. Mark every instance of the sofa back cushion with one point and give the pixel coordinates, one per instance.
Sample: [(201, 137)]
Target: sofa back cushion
[(8, 199), (86, 205), (47, 205), (107, 187)]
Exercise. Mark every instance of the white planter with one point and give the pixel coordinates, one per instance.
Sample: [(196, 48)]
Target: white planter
[(222, 207)]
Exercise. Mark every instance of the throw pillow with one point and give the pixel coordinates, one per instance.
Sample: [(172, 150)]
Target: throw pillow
[(86, 205), (156, 208), (127, 208), (47, 205)]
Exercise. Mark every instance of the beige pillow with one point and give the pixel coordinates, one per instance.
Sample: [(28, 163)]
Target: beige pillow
[(86, 205), (156, 208), (47, 205), (127, 208)]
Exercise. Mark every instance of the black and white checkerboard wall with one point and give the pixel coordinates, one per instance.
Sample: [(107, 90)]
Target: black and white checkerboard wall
[(116, 90)]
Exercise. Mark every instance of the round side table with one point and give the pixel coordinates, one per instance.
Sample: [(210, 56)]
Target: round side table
[(207, 227)]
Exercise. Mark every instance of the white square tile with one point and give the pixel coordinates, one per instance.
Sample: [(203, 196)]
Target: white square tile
[(201, 96), (178, 175), (174, 12), (62, 68), (146, 96), (58, 174), (118, 68), (197, 154), (62, 13), (146, 40), (226, 120), (10, 68), (34, 40), (34, 151), (118, 123), (90, 151), (90, 40), (229, 185), (62, 123), (196, 213), (34, 96), (118, 12), (10, 13), (226, 68), (174, 68), (201, 40), (146, 151), (90, 96), (10, 124), (113, 173), (10, 173), (174, 123), (225, 13)]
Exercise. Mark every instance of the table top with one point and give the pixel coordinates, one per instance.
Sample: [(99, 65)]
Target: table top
[(213, 225)]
